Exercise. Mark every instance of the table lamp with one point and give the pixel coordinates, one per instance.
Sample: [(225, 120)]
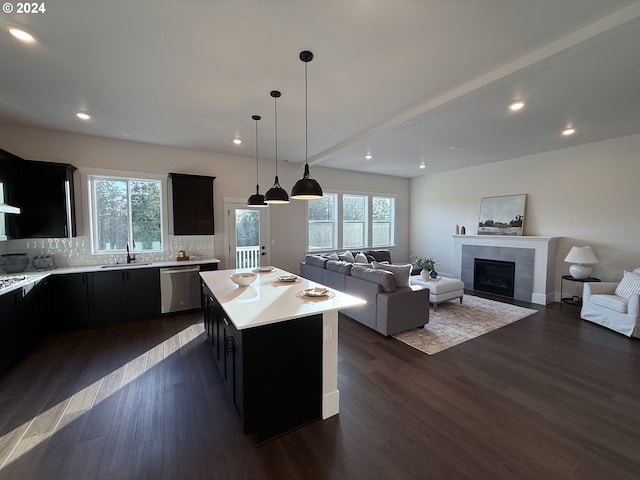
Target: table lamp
[(581, 257)]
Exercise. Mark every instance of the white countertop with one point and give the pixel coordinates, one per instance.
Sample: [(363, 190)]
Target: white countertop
[(268, 301), (34, 276)]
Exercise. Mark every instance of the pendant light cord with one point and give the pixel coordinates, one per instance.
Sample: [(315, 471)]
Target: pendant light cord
[(257, 182), (275, 117), (306, 117)]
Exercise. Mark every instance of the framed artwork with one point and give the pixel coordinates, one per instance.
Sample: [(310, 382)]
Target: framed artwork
[(502, 215)]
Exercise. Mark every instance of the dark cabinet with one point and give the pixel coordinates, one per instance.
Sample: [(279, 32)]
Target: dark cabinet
[(22, 322), (192, 201), (47, 208), (142, 293), (272, 373), (9, 178), (9, 329), (44, 192), (121, 295), (69, 294)]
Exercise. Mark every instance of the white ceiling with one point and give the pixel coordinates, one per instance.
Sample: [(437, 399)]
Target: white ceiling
[(405, 80)]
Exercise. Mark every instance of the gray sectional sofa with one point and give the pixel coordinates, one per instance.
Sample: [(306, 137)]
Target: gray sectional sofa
[(392, 304)]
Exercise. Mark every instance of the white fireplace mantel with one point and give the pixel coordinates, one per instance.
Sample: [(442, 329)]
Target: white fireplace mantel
[(544, 259)]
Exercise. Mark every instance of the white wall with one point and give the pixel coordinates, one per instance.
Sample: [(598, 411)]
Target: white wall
[(235, 177), (587, 194)]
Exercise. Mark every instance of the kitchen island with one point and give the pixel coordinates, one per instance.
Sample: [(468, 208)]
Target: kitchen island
[(276, 348)]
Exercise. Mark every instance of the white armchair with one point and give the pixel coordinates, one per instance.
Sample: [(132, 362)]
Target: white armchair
[(601, 304)]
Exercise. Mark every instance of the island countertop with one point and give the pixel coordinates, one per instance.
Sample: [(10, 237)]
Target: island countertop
[(268, 300)]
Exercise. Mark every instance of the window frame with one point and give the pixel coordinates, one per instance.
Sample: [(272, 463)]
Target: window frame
[(368, 233), (334, 223), (92, 174)]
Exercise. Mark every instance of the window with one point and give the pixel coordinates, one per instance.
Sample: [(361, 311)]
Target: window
[(383, 229), (125, 212), (323, 226), (351, 220), (354, 221)]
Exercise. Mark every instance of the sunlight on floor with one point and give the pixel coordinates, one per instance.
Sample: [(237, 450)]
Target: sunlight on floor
[(31, 434)]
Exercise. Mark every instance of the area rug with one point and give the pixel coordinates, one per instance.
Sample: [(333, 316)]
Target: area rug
[(455, 323)]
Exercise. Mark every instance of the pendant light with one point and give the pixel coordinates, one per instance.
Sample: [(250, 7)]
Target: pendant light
[(276, 194), (306, 188), (257, 199)]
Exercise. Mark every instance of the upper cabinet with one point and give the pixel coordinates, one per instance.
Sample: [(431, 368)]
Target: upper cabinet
[(192, 204), (47, 209), (44, 192)]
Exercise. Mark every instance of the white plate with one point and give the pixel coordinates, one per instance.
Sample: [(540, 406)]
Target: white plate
[(316, 292), (287, 278), (265, 269)]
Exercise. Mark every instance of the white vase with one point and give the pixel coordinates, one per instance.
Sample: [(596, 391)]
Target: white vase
[(424, 274)]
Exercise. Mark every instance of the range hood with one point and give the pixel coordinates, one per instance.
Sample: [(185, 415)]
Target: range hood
[(4, 208)]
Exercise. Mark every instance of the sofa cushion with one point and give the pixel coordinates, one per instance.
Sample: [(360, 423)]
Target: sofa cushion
[(361, 257), (612, 302), (402, 273), (339, 266), (383, 278), (347, 256), (315, 260), (629, 285), (380, 255)]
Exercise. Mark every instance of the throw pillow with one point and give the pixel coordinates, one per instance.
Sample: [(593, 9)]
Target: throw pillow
[(361, 258), (385, 279), (402, 273), (347, 256), (629, 285), (333, 256), (339, 266)]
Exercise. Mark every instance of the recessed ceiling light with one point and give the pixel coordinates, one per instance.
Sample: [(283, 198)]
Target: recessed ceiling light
[(569, 131), (237, 141), (22, 35), (454, 147), (368, 156), (422, 165), (515, 106), (83, 116)]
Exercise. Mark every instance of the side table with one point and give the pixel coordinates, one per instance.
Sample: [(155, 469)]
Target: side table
[(572, 300)]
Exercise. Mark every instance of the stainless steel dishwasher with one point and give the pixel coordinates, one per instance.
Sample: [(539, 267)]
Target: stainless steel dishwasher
[(180, 288)]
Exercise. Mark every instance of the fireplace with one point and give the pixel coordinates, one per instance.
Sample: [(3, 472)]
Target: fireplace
[(494, 276), (535, 259)]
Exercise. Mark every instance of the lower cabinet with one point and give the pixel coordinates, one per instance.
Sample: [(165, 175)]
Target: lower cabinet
[(105, 298), (118, 296), (22, 322), (70, 298), (272, 373)]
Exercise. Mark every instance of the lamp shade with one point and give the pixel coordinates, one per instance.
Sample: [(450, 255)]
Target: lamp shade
[(306, 188), (581, 255)]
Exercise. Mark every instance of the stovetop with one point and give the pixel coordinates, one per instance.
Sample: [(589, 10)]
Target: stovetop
[(8, 280)]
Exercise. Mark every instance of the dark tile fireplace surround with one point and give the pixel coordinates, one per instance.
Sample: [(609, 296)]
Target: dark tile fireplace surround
[(523, 269)]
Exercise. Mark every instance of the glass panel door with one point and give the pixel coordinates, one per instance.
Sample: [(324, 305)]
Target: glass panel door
[(247, 237)]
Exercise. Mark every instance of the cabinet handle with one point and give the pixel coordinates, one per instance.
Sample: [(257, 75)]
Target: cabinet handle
[(229, 349), (226, 322)]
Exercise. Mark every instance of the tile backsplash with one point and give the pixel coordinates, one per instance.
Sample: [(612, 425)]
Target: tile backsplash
[(76, 251)]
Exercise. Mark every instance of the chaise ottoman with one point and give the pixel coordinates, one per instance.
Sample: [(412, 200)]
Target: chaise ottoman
[(441, 290)]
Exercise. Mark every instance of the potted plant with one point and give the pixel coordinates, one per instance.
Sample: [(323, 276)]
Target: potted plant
[(428, 265)]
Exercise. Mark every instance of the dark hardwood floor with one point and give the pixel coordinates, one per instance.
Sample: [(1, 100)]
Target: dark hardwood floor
[(548, 397)]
